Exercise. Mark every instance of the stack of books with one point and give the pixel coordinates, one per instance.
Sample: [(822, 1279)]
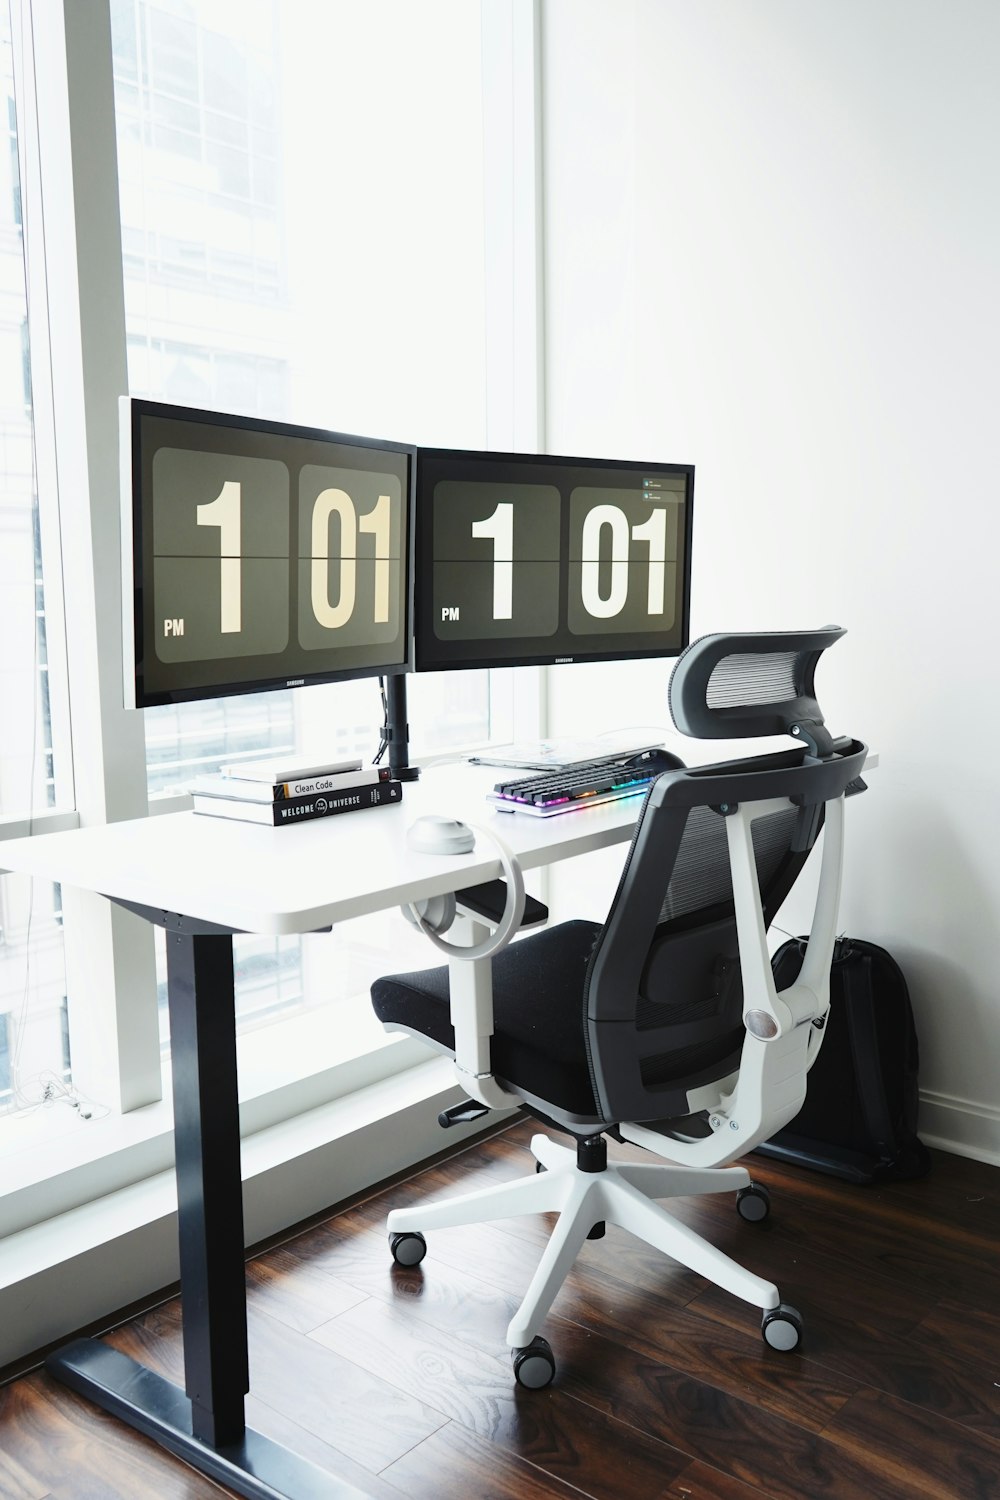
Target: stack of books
[(277, 792)]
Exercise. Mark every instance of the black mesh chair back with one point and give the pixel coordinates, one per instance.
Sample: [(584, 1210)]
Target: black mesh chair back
[(663, 1005)]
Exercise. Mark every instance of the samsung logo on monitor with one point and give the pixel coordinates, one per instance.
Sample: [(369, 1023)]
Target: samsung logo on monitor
[(561, 660), (295, 682)]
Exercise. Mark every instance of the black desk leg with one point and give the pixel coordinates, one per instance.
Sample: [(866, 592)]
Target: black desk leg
[(206, 1426), (209, 1184)]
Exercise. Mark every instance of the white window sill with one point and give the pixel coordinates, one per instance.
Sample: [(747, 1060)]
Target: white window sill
[(54, 1161), (47, 820)]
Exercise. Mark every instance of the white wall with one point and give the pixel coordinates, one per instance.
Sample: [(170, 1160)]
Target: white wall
[(773, 229)]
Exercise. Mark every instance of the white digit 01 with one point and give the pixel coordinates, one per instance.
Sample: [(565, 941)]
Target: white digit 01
[(499, 527), (652, 531), (593, 603), (378, 523), (224, 512)]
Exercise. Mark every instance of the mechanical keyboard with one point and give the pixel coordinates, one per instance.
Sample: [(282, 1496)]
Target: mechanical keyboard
[(584, 785)]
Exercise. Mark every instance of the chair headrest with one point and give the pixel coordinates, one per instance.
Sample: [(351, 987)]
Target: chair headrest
[(738, 686)]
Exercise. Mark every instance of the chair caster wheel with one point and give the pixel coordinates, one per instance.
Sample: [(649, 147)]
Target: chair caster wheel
[(408, 1247), (782, 1327), (534, 1366), (753, 1203)]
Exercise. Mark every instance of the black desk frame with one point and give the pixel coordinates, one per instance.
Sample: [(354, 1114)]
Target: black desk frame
[(203, 1424)]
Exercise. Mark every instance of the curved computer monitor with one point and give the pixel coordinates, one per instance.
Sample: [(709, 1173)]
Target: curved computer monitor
[(527, 559), (259, 555)]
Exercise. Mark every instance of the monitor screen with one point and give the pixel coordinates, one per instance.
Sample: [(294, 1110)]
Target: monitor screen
[(529, 559), (259, 555)]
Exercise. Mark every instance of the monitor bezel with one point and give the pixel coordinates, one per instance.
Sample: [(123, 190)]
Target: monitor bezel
[(423, 625), (132, 409)]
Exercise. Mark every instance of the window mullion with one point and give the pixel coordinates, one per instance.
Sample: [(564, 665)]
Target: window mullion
[(77, 334)]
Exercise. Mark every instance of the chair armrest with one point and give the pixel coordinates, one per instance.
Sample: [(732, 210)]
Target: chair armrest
[(489, 900)]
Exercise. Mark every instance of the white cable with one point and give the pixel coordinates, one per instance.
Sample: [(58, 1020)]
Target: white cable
[(509, 922)]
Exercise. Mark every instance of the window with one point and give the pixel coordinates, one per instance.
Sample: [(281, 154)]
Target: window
[(289, 250)]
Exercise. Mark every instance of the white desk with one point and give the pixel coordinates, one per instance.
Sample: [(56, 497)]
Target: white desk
[(203, 879), (247, 877)]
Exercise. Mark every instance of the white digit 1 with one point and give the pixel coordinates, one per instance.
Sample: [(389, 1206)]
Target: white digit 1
[(500, 528), (327, 503), (593, 603), (224, 512), (654, 533), (377, 522)]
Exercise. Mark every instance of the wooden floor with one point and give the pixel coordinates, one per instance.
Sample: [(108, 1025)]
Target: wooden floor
[(401, 1381)]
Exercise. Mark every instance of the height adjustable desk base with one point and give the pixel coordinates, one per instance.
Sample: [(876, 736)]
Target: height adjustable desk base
[(205, 1426), (252, 1464), (202, 879)]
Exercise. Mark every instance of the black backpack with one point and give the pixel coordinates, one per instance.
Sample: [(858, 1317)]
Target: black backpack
[(859, 1119)]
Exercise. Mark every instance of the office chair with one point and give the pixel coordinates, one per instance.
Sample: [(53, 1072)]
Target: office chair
[(661, 1026)]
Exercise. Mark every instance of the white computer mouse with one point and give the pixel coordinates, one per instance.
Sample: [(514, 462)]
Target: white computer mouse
[(436, 834)]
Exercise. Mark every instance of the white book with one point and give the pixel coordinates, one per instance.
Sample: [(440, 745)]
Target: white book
[(276, 771), (240, 789)]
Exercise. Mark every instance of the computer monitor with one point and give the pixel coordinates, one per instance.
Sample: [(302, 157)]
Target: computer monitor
[(259, 555), (525, 559)]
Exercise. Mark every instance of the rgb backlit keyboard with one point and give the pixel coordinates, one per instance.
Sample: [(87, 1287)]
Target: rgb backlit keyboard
[(549, 792)]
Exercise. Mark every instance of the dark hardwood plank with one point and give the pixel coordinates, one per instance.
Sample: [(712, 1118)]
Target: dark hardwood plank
[(702, 1482), (469, 1386), (455, 1464), (928, 1458), (17, 1417), (971, 1332), (732, 1361), (74, 1451), (798, 1254), (957, 1190), (358, 1416), (602, 1457), (296, 1291), (897, 1236), (935, 1366), (155, 1339), (470, 1308), (725, 1432)]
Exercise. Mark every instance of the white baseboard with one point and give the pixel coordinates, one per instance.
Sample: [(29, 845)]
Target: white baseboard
[(85, 1265), (964, 1126)]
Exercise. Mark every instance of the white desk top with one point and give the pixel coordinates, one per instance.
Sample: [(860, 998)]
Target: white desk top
[(277, 880)]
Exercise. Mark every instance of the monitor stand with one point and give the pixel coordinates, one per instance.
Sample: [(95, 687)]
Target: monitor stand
[(396, 731)]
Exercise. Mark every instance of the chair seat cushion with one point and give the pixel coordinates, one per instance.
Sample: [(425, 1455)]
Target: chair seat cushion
[(538, 1042)]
